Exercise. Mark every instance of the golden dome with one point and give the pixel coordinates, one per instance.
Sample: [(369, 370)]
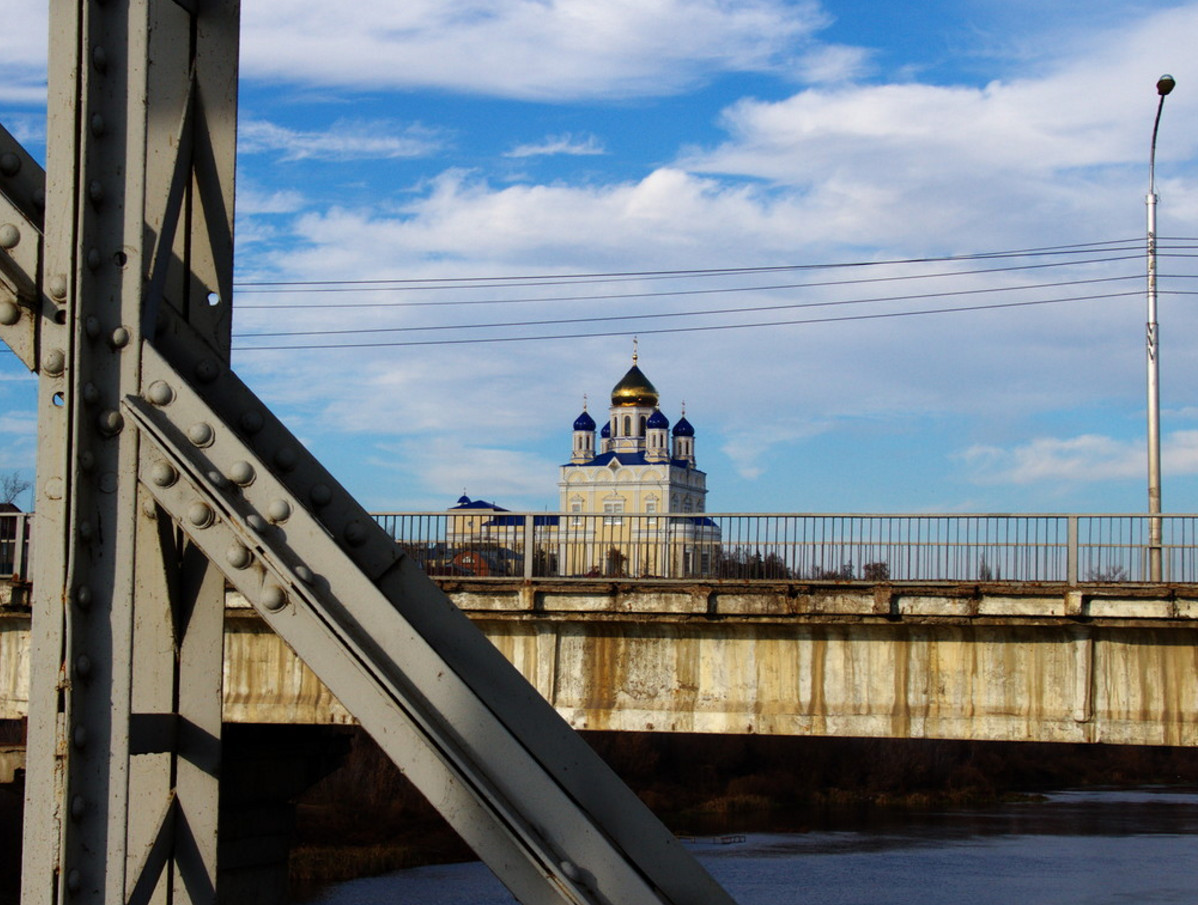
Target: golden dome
[(634, 389)]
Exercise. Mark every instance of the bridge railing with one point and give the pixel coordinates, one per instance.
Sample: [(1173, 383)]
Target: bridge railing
[(797, 547), (768, 547)]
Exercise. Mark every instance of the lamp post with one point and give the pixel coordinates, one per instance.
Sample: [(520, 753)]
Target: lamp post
[(1163, 86)]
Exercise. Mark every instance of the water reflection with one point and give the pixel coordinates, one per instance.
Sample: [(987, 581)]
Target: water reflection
[(1106, 847)]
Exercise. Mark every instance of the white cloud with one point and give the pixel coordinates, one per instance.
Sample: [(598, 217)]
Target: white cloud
[(345, 140), (571, 145), (1087, 458), (534, 49)]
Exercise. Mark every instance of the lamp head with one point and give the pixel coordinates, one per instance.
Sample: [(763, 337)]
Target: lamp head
[(1165, 84)]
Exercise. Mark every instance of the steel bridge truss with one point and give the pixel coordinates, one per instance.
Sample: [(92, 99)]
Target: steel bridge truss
[(161, 477)]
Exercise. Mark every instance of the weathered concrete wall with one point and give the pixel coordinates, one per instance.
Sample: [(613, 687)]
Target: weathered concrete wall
[(1114, 665)]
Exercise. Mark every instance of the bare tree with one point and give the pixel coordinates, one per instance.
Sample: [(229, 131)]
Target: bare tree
[(12, 485)]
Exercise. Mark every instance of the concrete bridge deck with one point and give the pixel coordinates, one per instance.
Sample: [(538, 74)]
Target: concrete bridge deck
[(1001, 662)]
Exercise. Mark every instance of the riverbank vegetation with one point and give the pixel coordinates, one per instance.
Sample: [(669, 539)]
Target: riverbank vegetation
[(365, 818)]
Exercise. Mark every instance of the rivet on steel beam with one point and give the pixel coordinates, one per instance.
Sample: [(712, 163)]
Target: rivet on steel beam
[(93, 259), (273, 597), (85, 530), (119, 338), (79, 737), (54, 488), (83, 666), (10, 313), (160, 393), (355, 533), (10, 164), (207, 371), (257, 522), (304, 574), (74, 880), (91, 326), (10, 236), (54, 362), (83, 597), (91, 393), (242, 474), (100, 58), (149, 508), (201, 434), (200, 514), (87, 460), (320, 495), (110, 422), (163, 473), (39, 197), (95, 192), (97, 125), (239, 556), (278, 511), (251, 422), (217, 479), (58, 286), (286, 459), (571, 871), (78, 807)]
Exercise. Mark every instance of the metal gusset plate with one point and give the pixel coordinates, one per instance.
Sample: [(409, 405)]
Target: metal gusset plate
[(22, 210)]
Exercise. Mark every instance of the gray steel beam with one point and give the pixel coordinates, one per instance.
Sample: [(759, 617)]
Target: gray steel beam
[(157, 467), (125, 711)]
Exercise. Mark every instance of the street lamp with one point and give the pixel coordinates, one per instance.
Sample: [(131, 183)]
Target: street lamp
[(1163, 86)]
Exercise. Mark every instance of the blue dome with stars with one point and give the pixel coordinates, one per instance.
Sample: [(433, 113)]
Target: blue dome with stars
[(683, 428), (584, 422), (658, 421)]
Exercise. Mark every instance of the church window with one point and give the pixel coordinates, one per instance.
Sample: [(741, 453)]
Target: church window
[(627, 426), (642, 432), (575, 510), (610, 508)]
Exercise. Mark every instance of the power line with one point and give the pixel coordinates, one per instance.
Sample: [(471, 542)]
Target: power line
[(694, 329), (669, 293), (538, 279), (680, 314)]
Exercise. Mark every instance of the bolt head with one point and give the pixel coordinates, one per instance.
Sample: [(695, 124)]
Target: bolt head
[(278, 511), (201, 434), (252, 422), (119, 338), (55, 362), (286, 459), (355, 533), (242, 473), (239, 556), (163, 473), (160, 393), (200, 514), (10, 236), (58, 286), (320, 495), (273, 597), (111, 422), (10, 164), (10, 313)]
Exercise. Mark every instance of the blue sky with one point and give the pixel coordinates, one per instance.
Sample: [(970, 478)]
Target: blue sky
[(489, 139)]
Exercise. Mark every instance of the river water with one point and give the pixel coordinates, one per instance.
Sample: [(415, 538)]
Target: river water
[(1076, 847)]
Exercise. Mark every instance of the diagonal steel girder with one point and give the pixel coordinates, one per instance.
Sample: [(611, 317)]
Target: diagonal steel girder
[(161, 476)]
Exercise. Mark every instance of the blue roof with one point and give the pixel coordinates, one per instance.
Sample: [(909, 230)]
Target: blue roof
[(584, 422), (606, 432), (658, 421), (637, 458), (683, 428), (476, 504)]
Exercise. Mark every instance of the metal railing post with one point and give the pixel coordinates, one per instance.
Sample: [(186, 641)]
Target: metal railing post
[(1071, 564), (529, 543)]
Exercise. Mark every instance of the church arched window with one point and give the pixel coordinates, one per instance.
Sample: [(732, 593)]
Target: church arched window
[(627, 426)]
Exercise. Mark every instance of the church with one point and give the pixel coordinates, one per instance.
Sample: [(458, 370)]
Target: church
[(639, 464)]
